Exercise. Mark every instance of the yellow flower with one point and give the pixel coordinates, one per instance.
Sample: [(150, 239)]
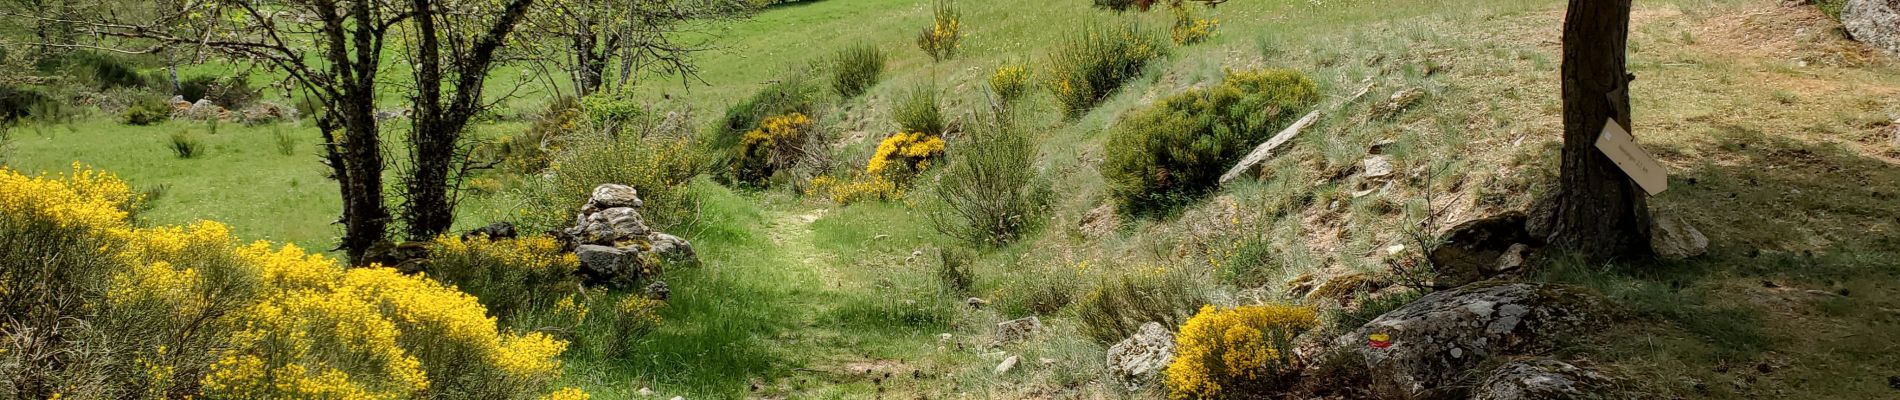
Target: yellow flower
[(1219, 348)]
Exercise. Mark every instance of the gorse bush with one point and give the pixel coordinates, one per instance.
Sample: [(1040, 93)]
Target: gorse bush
[(527, 151), (945, 34), (795, 94), (856, 69), (1117, 307), (1174, 151), (1227, 353), (902, 156), (991, 193), (854, 188), (1189, 30), (920, 112), (1091, 65), (778, 143), (1010, 82), (509, 276), (173, 312)]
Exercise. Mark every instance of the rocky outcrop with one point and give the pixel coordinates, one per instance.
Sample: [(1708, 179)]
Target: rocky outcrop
[(1546, 379), (1137, 361), (1874, 22), (614, 243), (1424, 348)]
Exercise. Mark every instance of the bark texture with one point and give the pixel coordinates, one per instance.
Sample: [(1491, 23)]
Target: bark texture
[(1600, 212)]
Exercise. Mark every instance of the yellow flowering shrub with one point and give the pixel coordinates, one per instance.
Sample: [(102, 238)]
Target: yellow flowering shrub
[(776, 144), (861, 187), (192, 312), (1010, 81), (1189, 30), (944, 35), (1096, 62), (1219, 353), (510, 276), (905, 154)]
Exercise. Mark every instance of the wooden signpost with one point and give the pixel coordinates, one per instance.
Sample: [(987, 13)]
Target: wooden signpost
[(1622, 149)]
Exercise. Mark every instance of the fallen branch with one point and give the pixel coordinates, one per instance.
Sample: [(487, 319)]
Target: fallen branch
[(1261, 153)]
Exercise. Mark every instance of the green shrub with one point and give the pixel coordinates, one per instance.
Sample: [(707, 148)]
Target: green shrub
[(856, 69), (779, 143), (1090, 66), (19, 103), (527, 151), (658, 165), (146, 110), (954, 269), (509, 276), (1117, 307), (231, 93), (1189, 30), (186, 145), (1174, 151), (106, 72), (919, 112), (286, 143), (991, 193)]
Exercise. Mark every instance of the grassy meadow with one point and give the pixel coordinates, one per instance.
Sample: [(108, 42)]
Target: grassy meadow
[(1779, 134)]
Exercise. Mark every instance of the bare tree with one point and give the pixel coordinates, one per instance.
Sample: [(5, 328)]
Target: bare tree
[(333, 52), (589, 40), (1599, 212)]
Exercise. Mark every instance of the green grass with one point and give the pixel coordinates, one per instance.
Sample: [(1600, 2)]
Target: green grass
[(806, 299)]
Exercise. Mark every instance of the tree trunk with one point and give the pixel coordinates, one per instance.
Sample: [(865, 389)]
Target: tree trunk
[(1600, 213)]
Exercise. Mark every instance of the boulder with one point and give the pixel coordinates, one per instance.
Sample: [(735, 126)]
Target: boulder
[(658, 290), (1017, 329), (1423, 349), (1137, 361), (609, 265), (612, 195), (1471, 250), (1546, 379), (671, 248), (613, 226), (1674, 239), (1874, 22)]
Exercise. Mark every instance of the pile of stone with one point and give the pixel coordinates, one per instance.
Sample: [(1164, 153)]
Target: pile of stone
[(613, 242)]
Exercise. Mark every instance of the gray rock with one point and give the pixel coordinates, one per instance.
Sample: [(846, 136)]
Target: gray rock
[(1672, 238), (975, 302), (672, 248), (1512, 259), (1017, 329), (659, 291), (605, 265), (610, 195), (494, 231), (1007, 365), (1434, 340), (1874, 22), (1138, 360), (1378, 166), (1546, 379), (613, 226)]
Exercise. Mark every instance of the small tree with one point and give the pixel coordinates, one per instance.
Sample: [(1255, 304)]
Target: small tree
[(991, 193)]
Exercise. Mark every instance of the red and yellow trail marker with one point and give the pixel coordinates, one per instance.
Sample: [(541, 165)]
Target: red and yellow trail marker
[(1379, 340)]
